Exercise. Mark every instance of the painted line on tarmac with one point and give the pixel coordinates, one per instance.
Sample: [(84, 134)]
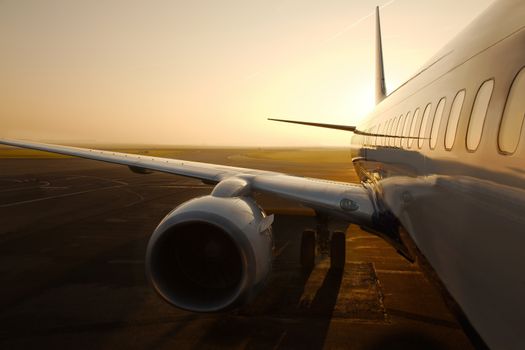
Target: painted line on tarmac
[(400, 272), (19, 189), (57, 196)]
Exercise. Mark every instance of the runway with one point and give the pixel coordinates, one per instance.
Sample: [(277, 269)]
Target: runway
[(72, 244)]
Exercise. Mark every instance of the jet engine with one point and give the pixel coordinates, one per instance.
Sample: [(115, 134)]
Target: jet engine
[(211, 253)]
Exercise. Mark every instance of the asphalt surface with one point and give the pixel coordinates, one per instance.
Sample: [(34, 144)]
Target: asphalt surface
[(72, 240)]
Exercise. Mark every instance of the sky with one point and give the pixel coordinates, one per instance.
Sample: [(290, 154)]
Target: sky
[(207, 73)]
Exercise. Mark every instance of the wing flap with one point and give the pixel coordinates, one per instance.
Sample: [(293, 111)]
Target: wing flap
[(350, 201)]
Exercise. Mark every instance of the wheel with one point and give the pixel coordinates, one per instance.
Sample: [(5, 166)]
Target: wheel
[(338, 250), (308, 248)]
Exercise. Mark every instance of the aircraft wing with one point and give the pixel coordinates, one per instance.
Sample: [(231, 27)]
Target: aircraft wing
[(351, 201)]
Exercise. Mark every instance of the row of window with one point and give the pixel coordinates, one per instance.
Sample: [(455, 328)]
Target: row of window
[(409, 130)]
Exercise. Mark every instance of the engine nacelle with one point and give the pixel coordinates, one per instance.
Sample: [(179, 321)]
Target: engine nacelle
[(210, 253)]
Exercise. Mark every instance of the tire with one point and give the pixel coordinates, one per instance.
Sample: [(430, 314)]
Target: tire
[(338, 250), (308, 249)]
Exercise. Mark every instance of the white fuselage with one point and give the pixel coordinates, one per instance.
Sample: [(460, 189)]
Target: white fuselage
[(461, 197)]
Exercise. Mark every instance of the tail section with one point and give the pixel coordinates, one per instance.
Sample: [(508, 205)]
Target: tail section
[(380, 71)]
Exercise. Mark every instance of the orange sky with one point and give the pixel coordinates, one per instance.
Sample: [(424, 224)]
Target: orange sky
[(206, 72)]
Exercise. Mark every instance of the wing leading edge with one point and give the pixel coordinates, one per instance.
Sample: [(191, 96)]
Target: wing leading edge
[(349, 201)]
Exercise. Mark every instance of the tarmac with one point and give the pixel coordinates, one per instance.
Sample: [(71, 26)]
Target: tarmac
[(73, 236)]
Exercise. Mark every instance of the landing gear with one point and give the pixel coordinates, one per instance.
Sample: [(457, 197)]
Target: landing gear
[(325, 243), (308, 248)]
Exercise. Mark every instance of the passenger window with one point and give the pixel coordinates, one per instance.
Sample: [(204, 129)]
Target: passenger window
[(479, 112), (384, 132), (399, 131), (512, 121), (396, 130), (453, 119), (408, 123), (387, 128), (380, 139), (393, 132), (377, 140), (423, 134), (416, 122), (437, 122), (387, 139), (387, 132)]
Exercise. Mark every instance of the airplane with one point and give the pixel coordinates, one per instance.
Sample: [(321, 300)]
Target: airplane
[(441, 161)]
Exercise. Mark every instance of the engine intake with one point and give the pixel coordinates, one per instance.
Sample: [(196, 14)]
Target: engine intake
[(210, 254)]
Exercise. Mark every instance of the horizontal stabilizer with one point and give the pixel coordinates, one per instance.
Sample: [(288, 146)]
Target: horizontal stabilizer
[(319, 125), (341, 127)]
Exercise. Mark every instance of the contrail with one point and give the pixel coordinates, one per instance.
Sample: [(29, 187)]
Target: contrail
[(335, 36), (338, 34)]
